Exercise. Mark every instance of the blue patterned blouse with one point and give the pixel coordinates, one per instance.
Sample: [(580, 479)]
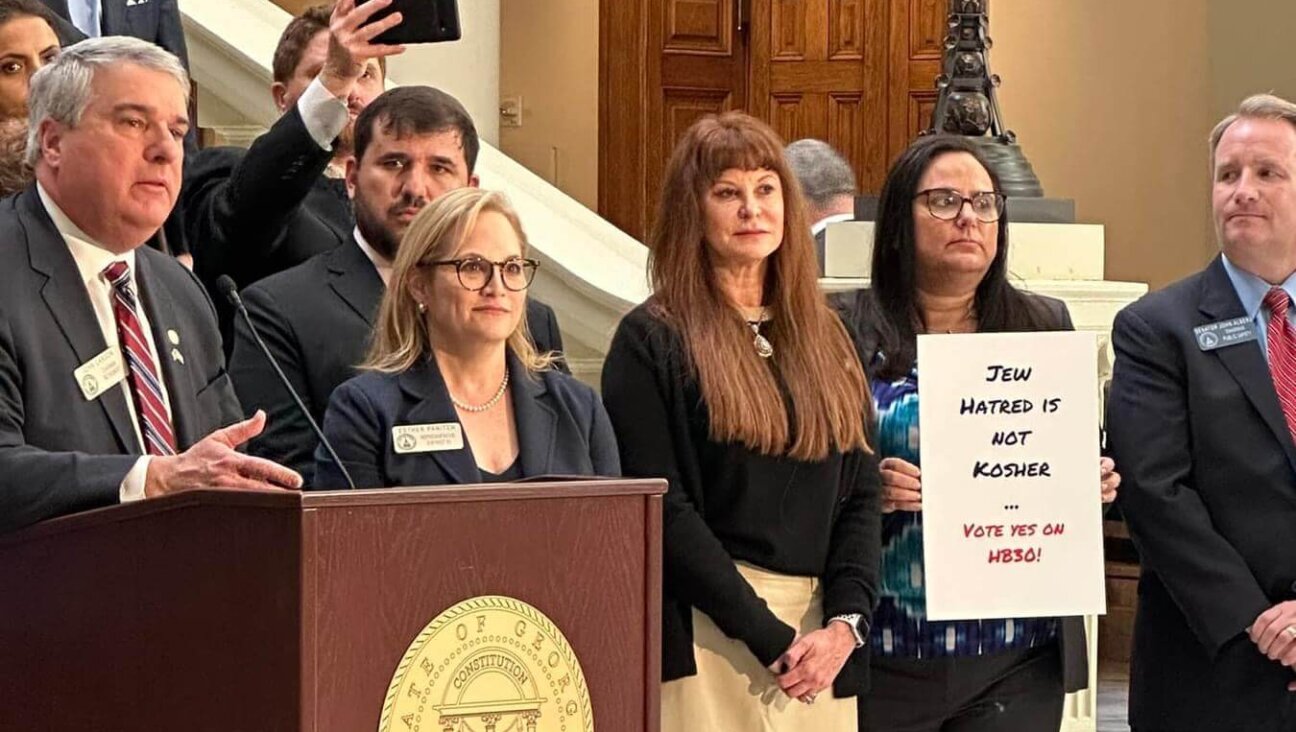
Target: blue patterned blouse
[(900, 625)]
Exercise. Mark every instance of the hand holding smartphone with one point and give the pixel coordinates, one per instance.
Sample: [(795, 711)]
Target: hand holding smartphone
[(422, 21)]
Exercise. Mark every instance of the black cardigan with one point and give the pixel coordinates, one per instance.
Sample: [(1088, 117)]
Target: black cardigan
[(726, 503)]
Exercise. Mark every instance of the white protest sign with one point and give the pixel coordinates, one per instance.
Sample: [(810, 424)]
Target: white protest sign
[(1012, 518)]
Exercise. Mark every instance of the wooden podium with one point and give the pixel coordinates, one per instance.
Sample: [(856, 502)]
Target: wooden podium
[(239, 611)]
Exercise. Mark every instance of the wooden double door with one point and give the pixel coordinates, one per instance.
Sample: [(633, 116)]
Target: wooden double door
[(858, 74)]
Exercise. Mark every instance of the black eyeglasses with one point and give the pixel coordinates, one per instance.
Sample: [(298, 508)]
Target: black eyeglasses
[(476, 272), (946, 204)]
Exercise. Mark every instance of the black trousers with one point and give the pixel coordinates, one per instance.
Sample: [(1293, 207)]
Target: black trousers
[(1013, 691)]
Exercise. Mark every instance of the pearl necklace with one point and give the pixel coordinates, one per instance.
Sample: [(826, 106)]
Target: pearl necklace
[(499, 394)]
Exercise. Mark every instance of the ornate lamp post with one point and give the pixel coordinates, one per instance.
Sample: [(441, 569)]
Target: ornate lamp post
[(968, 104)]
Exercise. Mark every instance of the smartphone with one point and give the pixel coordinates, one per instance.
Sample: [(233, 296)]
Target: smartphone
[(422, 21)]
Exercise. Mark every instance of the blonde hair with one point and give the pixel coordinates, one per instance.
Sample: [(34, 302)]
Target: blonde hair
[(1256, 106), (401, 338)]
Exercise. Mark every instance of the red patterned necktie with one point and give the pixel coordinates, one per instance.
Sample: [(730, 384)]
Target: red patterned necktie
[(146, 388), (1281, 341)]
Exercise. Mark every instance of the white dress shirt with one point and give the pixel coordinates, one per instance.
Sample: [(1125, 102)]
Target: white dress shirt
[(91, 259), (380, 263), (86, 15), (324, 115), (823, 223)]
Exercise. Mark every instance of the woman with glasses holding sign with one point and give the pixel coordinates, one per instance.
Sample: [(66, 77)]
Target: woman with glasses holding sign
[(940, 266), (453, 391)]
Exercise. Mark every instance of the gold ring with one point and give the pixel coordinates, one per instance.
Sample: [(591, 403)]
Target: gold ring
[(1290, 631)]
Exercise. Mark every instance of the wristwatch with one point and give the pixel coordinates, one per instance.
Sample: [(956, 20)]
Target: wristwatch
[(854, 620)]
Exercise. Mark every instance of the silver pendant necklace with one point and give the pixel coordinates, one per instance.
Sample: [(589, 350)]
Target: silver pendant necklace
[(499, 394), (764, 348)]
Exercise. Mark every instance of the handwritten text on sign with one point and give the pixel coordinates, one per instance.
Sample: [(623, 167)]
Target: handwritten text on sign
[(1012, 521)]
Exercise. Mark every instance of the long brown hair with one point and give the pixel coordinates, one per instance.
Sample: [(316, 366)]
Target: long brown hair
[(817, 363), (401, 337)]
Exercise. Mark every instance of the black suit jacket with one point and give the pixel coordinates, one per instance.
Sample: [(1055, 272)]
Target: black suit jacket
[(855, 307), (561, 426), (58, 452), (253, 213), (316, 319), (156, 21), (1209, 493)]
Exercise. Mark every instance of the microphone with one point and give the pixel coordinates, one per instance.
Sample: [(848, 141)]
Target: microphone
[(225, 284)]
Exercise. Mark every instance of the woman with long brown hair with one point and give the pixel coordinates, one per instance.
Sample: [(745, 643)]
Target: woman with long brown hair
[(737, 383)]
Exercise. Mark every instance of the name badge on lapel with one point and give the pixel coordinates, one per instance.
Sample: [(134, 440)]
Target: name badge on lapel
[(100, 373), (1225, 333), (410, 438)]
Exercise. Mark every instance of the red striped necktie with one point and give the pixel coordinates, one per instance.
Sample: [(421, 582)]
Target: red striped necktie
[(1281, 342), (146, 387)]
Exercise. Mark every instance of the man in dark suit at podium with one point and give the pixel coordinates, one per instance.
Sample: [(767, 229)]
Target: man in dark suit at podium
[(112, 385), (1201, 419), (253, 213), (411, 145)]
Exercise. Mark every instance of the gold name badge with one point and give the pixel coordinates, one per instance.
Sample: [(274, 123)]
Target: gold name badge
[(408, 438), (489, 664)]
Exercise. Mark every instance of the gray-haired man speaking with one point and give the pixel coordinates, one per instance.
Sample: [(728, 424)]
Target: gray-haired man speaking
[(112, 385)]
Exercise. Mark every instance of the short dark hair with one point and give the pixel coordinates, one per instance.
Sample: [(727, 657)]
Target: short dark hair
[(417, 110), (10, 9), (296, 37), (998, 305)]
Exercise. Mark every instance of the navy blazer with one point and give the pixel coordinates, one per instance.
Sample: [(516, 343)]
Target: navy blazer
[(1208, 489), (60, 453), (316, 319), (561, 425)]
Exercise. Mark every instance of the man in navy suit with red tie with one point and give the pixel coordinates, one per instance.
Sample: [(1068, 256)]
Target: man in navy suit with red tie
[(112, 383), (1201, 419)]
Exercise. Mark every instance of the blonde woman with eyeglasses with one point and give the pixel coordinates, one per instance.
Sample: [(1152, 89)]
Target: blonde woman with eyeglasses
[(452, 391)]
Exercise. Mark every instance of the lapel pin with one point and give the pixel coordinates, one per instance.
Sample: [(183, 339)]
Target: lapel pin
[(174, 337), (176, 355)]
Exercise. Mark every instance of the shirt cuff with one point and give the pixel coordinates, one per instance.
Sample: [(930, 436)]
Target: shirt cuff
[(324, 115), (132, 486)]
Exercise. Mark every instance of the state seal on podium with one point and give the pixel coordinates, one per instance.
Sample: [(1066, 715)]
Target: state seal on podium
[(488, 664)]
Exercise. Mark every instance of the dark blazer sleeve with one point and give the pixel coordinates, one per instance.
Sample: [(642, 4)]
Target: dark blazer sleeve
[(1151, 442), (237, 210), (37, 484), (288, 438), (354, 426), (170, 31), (642, 395)]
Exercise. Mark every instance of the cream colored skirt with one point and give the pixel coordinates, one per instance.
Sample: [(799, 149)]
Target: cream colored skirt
[(733, 692)]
